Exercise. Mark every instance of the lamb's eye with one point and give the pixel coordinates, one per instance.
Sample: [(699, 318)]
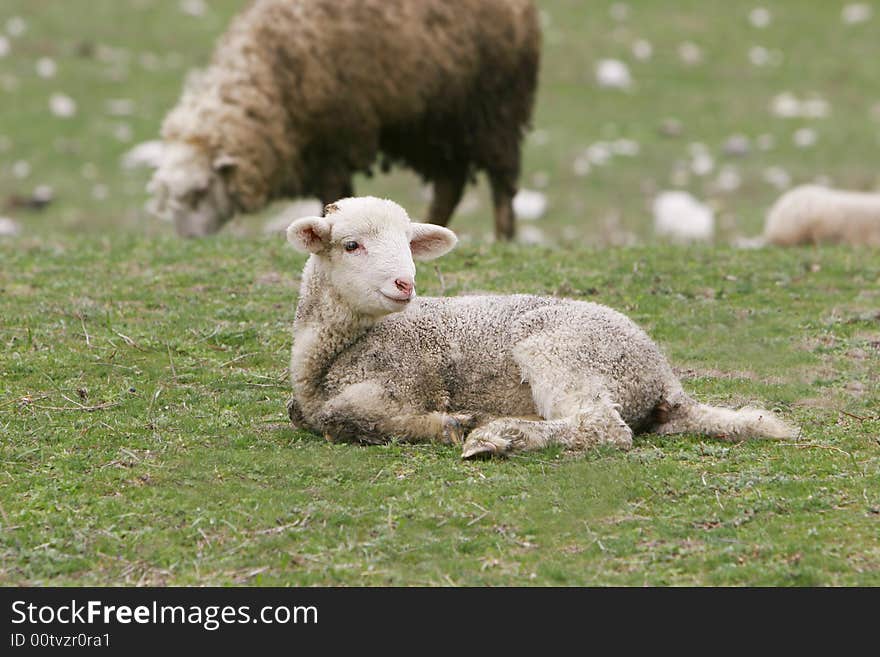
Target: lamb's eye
[(350, 246)]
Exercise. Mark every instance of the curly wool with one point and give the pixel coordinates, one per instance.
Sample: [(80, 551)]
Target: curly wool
[(304, 94), (812, 215), (517, 371)]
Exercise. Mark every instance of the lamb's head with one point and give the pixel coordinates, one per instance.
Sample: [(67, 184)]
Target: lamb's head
[(364, 248), (190, 187)]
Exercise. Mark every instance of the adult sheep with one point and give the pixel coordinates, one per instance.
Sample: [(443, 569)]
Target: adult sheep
[(371, 362), (301, 94), (810, 214)]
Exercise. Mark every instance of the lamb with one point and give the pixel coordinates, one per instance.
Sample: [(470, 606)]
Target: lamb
[(301, 95), (810, 214), (372, 362)]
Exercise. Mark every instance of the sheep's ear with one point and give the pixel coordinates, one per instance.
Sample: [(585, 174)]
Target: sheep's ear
[(428, 241), (224, 163), (309, 234)]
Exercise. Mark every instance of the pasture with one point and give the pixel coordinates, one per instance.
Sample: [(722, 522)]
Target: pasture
[(143, 434)]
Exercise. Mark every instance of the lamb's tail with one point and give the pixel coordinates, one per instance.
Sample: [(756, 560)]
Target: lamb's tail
[(689, 416)]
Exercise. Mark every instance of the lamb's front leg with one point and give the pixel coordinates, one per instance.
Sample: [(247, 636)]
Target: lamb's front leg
[(363, 413)]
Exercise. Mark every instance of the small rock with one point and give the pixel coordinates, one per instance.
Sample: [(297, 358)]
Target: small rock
[(195, 8), (858, 12), (690, 53), (805, 137), (21, 169), (642, 50), (9, 227), (737, 145), (46, 67), (760, 17), (778, 177), (16, 26), (62, 106), (619, 11), (613, 74), (671, 128), (531, 235), (4, 46), (682, 218), (529, 205)]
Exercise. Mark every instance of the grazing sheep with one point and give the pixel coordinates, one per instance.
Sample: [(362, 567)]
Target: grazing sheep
[(301, 95), (372, 362), (811, 215)]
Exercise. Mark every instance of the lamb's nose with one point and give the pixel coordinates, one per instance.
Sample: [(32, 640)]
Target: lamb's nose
[(404, 286)]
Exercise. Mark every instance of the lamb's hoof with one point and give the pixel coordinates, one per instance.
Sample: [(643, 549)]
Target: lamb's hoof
[(456, 427), (622, 438), (485, 445)]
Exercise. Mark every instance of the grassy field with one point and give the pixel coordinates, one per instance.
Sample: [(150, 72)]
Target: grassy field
[(143, 436)]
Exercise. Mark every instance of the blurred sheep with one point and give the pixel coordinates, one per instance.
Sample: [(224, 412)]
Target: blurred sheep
[(300, 96)]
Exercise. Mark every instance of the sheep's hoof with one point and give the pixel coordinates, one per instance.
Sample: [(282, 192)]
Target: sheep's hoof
[(456, 427), (296, 417), (485, 446), (620, 437)]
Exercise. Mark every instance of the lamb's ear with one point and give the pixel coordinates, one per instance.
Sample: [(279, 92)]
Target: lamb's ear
[(224, 163), (309, 234), (428, 241)]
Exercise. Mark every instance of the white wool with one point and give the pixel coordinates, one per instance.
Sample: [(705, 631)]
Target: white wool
[(145, 154), (680, 217), (811, 214)]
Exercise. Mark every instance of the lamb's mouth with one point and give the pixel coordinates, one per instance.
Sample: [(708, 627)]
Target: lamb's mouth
[(397, 300)]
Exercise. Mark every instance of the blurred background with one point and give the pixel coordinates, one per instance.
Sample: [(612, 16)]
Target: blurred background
[(731, 101)]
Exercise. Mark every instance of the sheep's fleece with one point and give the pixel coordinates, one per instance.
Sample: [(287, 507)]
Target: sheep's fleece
[(302, 94), (811, 214), (495, 373)]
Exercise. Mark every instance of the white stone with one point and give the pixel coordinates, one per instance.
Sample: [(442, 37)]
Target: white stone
[(805, 137), (46, 67), (760, 17), (62, 105), (9, 227), (680, 217), (529, 204), (690, 53), (857, 12), (613, 74), (642, 50)]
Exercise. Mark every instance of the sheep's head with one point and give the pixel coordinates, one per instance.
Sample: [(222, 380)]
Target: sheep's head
[(190, 188), (365, 249)]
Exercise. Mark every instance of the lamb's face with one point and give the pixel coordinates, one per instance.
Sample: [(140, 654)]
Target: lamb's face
[(365, 246), (189, 188)]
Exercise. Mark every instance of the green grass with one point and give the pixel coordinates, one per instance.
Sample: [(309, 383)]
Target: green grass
[(143, 437)]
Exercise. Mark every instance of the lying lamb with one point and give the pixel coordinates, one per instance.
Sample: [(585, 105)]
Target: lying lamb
[(300, 96), (811, 215), (372, 362)]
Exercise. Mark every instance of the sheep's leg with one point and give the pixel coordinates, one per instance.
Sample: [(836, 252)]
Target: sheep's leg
[(578, 410), (447, 193), (503, 190), (362, 413), (595, 423), (368, 429)]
